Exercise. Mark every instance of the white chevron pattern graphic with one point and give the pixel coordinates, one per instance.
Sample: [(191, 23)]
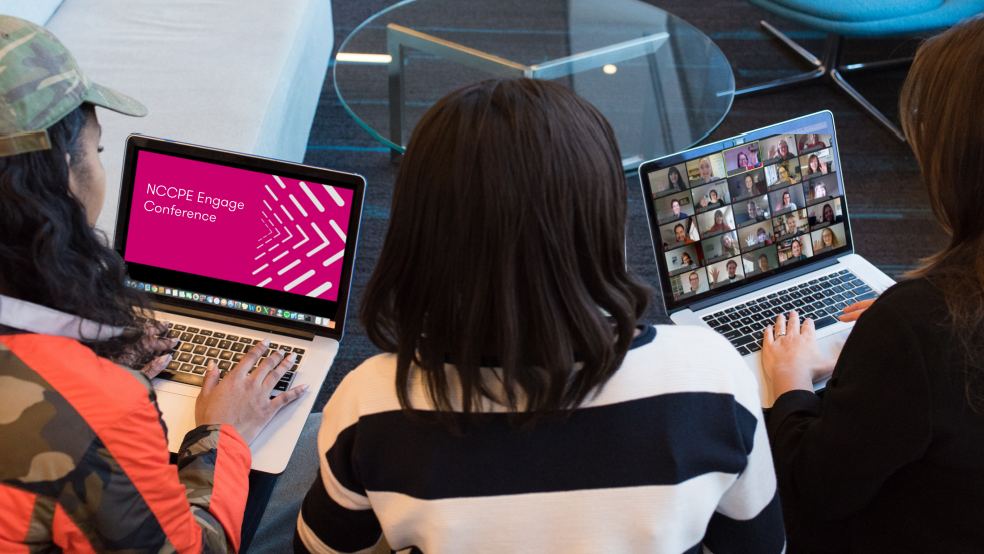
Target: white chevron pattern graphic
[(291, 220)]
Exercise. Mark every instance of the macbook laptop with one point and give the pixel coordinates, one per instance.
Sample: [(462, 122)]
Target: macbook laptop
[(234, 249), (757, 225)]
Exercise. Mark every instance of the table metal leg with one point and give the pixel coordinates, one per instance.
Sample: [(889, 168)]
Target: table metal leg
[(399, 38), (395, 50)]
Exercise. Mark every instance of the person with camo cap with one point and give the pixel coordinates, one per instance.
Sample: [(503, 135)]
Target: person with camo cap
[(84, 465)]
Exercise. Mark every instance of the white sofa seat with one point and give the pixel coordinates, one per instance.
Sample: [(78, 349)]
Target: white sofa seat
[(241, 75)]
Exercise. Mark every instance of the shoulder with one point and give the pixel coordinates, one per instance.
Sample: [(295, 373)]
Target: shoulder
[(682, 359), (911, 289), (915, 303), (373, 370), (367, 389), (913, 298), (99, 390)]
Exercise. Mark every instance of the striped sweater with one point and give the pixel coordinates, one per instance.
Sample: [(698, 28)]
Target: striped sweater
[(671, 455)]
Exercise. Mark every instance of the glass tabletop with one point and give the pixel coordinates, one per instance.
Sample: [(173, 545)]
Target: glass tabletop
[(662, 84)]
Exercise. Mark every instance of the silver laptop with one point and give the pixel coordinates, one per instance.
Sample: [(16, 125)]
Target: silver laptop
[(234, 249), (757, 225)]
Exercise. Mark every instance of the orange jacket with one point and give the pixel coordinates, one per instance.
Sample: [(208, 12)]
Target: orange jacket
[(84, 465)]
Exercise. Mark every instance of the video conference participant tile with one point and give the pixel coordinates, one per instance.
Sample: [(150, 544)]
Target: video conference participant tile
[(690, 283), (721, 247), (783, 174), (706, 170), (716, 222), (828, 238), (678, 233), (676, 206), (748, 184), (791, 224), (824, 188), (756, 236), (778, 148), (752, 211), (825, 214), (742, 158), (787, 199), (760, 261), (685, 258), (817, 164), (794, 250), (668, 181), (725, 272), (810, 143), (711, 197)]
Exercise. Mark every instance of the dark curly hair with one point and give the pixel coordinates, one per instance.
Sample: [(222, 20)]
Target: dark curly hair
[(51, 256)]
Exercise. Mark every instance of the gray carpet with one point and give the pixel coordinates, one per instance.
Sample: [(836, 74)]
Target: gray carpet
[(892, 224)]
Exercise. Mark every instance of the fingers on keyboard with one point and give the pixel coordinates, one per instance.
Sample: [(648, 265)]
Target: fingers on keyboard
[(197, 347), (823, 300)]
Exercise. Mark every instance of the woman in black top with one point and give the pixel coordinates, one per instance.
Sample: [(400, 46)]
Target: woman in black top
[(892, 458), (713, 204)]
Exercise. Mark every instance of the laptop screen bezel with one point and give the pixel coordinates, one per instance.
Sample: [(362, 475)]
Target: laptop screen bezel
[(800, 125), (137, 143)]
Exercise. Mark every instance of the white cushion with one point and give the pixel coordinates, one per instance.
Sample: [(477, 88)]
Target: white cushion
[(241, 75), (35, 11)]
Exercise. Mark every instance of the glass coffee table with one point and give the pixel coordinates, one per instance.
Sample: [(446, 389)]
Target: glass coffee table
[(662, 84)]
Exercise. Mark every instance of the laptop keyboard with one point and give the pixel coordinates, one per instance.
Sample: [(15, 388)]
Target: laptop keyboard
[(198, 346), (822, 299)]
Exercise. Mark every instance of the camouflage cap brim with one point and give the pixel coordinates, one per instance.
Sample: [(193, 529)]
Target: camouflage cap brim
[(40, 83), (112, 100)]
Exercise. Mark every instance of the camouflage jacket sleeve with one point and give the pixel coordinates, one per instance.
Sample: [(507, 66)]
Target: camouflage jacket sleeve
[(196, 506), (84, 468), (216, 490)]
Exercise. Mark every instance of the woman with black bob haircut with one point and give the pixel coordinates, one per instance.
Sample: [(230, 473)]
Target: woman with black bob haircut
[(84, 465), (520, 406)]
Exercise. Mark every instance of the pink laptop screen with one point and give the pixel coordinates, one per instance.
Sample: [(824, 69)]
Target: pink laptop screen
[(237, 225)]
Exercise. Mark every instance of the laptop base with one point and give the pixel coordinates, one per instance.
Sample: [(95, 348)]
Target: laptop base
[(272, 448), (831, 338)]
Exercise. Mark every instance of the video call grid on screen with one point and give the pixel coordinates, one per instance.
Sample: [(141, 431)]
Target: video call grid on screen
[(761, 245)]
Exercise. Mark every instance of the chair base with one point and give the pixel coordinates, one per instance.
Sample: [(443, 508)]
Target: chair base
[(828, 71)]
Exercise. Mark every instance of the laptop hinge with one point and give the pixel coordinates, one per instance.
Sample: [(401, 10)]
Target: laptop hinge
[(255, 325), (697, 306)]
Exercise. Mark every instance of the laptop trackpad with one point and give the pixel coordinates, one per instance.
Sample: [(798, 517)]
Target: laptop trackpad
[(831, 346), (178, 411)]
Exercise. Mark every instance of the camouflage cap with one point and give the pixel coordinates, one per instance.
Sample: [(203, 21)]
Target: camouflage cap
[(40, 83)]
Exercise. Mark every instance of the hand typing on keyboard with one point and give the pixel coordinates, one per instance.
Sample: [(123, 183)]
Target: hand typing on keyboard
[(142, 355), (243, 398), (791, 356), (824, 299)]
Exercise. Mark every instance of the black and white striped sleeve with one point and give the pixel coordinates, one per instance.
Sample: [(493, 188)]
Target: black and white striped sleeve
[(748, 518), (336, 516)]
